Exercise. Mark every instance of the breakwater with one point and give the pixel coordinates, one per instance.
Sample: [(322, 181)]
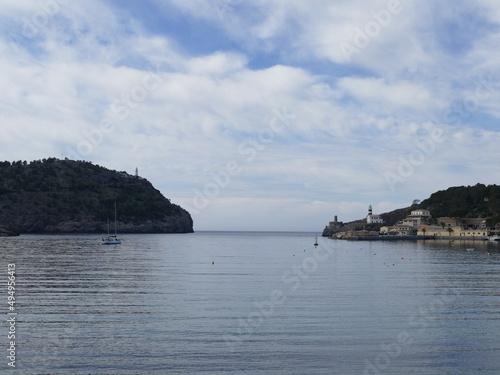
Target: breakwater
[(387, 238), (411, 238)]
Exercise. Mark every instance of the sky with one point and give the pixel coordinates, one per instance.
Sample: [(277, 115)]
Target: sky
[(257, 115)]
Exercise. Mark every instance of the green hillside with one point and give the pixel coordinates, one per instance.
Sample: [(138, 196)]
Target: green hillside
[(466, 201), (53, 195)]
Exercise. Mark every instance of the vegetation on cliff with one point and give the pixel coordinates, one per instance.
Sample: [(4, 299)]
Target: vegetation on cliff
[(466, 201), (53, 195)]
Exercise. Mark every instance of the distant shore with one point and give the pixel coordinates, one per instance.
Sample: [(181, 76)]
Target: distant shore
[(411, 238)]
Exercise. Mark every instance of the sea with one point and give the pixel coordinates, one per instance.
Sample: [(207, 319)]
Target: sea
[(218, 303)]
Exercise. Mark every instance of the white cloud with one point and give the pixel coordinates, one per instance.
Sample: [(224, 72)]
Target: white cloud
[(393, 96), (218, 64)]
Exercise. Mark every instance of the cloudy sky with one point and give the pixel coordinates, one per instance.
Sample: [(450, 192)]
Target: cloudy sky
[(262, 114)]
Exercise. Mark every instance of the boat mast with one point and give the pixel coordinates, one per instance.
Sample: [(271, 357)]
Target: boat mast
[(115, 219)]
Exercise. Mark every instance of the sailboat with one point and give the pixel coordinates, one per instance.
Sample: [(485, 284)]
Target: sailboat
[(316, 241), (111, 239)]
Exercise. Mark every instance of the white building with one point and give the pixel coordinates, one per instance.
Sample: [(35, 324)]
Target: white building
[(412, 222), (421, 213), (373, 219)]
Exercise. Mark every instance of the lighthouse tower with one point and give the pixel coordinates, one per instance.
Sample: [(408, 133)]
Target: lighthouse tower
[(373, 219)]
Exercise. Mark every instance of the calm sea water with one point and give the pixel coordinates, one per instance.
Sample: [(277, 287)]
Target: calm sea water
[(252, 303)]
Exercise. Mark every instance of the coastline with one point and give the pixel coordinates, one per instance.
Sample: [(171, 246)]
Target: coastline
[(410, 238)]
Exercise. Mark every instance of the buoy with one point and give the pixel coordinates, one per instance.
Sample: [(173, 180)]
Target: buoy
[(213, 262)]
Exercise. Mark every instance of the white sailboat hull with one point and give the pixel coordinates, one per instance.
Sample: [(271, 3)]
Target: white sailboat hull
[(107, 242)]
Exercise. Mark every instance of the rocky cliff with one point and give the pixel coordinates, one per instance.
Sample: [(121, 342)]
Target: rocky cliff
[(66, 196), (8, 232)]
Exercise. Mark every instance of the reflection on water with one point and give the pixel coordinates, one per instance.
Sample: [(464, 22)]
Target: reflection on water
[(247, 303)]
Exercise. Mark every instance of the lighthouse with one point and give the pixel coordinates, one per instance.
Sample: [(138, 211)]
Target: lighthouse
[(371, 218)]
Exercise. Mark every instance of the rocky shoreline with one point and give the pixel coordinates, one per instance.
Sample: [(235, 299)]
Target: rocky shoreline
[(8, 232), (181, 223), (172, 224)]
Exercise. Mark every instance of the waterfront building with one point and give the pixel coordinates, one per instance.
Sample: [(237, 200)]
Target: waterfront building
[(446, 231), (464, 222)]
